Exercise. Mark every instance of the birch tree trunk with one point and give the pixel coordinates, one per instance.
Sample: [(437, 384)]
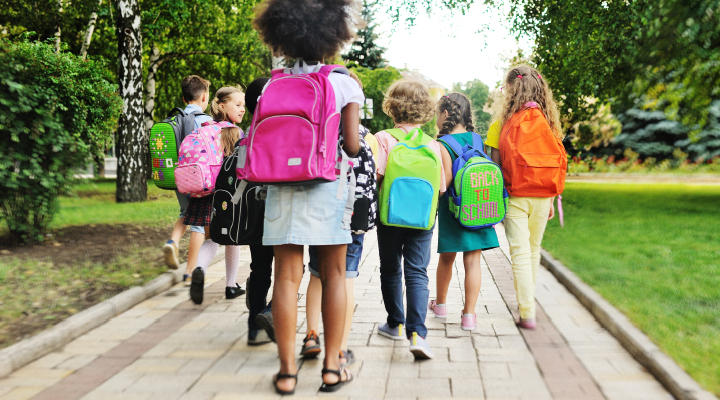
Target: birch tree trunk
[(58, 32), (132, 143), (150, 86), (89, 32)]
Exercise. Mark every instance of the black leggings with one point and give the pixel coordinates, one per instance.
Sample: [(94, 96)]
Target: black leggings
[(260, 279)]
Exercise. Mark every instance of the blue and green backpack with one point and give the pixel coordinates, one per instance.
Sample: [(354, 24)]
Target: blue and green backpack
[(477, 195), (409, 191)]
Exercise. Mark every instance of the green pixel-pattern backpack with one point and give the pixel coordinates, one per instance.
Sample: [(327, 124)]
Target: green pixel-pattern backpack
[(165, 139)]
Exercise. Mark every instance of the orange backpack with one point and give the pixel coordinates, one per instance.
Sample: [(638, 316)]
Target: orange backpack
[(534, 161)]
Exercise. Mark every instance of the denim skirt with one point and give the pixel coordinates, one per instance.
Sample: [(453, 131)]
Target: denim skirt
[(305, 215)]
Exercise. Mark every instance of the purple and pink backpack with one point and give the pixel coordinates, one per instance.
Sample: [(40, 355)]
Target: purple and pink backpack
[(199, 160), (293, 138)]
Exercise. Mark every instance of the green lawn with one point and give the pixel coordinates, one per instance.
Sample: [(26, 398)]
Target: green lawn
[(653, 251), (94, 203), (98, 248)]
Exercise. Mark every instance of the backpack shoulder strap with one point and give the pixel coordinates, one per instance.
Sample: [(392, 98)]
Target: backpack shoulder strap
[(398, 134), (176, 110), (327, 69), (453, 143)]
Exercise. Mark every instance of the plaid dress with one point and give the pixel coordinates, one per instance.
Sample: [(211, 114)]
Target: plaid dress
[(199, 211)]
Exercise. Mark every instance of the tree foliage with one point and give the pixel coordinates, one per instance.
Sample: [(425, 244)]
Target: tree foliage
[(375, 83), (364, 51), (478, 93), (599, 51), (55, 111)]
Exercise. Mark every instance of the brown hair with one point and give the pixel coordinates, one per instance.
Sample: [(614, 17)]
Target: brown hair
[(308, 29), (228, 136), (524, 84), (459, 112), (193, 87), (409, 102)]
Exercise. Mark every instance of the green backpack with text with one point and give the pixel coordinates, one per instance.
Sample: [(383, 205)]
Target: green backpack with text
[(477, 195), (410, 188)]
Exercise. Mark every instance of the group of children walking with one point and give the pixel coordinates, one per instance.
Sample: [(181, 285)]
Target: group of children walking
[(326, 181)]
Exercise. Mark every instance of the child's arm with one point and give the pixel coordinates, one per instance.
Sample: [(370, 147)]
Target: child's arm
[(350, 123), (495, 155), (447, 166), (552, 209)]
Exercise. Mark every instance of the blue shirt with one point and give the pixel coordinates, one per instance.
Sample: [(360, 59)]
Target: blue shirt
[(199, 119)]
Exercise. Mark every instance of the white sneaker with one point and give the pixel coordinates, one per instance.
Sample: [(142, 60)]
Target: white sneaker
[(395, 333), (420, 348), (170, 251)]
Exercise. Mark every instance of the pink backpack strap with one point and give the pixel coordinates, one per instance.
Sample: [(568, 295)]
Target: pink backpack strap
[(327, 69), (225, 124)]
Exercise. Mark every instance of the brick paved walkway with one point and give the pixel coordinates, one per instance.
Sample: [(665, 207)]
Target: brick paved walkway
[(168, 348)]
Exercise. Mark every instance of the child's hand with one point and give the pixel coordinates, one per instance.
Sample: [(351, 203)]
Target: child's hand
[(552, 211)]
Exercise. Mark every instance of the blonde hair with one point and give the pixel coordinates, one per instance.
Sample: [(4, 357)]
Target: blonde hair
[(228, 136), (524, 84), (409, 102)]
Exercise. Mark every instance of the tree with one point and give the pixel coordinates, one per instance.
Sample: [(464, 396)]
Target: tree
[(375, 83), (363, 51), (599, 51), (131, 146), (478, 93)]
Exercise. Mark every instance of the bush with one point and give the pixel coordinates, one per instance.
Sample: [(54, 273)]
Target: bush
[(56, 111)]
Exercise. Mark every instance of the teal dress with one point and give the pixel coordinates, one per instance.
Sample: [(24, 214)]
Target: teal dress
[(454, 237)]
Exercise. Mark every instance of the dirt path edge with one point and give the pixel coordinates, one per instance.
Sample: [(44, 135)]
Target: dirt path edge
[(32, 348), (647, 353)]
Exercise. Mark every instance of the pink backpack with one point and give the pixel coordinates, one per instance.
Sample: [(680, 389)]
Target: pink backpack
[(199, 160), (293, 138)]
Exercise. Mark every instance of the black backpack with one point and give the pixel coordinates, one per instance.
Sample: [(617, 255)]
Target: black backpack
[(238, 223), (366, 203)]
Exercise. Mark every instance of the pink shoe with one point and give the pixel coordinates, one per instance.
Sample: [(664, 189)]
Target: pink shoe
[(439, 310), (468, 322), (528, 323)]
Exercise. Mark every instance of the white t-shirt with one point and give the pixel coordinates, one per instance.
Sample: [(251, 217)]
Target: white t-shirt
[(346, 90)]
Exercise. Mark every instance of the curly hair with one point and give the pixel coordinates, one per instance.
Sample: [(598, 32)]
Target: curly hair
[(459, 112), (409, 102), (524, 84), (228, 136), (308, 29)]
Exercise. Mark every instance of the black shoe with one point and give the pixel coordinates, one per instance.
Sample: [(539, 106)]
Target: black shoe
[(197, 284), (265, 320), (233, 292)]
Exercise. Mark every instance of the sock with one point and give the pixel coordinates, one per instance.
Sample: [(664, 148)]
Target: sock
[(232, 264), (206, 254)]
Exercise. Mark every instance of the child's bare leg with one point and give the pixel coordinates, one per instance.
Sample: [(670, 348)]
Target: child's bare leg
[(288, 273), (313, 303), (334, 301), (473, 279), (349, 310), (196, 240), (444, 276), (178, 230)]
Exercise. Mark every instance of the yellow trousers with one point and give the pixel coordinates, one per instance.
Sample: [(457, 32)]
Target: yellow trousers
[(525, 224)]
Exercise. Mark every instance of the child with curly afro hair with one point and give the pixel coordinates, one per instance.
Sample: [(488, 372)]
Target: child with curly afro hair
[(311, 31)]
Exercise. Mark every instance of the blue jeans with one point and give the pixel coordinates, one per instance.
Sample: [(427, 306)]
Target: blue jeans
[(352, 259), (414, 245)]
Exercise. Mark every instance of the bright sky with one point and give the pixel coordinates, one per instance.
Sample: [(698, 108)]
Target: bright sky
[(448, 49)]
